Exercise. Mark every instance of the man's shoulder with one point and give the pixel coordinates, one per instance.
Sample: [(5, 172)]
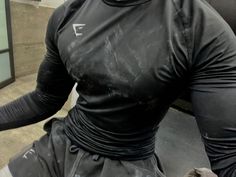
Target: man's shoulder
[(65, 11), (72, 4), (68, 7)]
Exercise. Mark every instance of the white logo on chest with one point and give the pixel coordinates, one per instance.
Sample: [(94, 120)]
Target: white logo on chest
[(77, 28)]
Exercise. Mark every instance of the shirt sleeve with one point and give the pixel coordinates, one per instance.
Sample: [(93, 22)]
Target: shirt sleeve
[(212, 82), (53, 86)]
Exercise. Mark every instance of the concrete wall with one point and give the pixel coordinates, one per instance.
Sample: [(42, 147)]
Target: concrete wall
[(28, 32), (44, 3), (29, 24)]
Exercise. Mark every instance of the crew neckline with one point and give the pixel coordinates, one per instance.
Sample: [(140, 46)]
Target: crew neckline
[(124, 3)]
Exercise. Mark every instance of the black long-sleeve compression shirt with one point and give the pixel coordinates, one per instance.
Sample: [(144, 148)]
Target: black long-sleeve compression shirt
[(131, 61), (53, 87)]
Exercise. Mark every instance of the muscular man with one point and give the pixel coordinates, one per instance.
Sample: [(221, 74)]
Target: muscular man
[(131, 59)]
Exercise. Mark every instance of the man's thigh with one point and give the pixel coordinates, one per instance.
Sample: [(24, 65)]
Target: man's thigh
[(45, 157), (30, 162)]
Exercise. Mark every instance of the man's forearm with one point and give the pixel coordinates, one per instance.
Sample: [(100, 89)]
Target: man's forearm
[(28, 109)]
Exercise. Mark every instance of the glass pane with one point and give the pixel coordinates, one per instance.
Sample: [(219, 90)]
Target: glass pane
[(3, 26), (5, 69)]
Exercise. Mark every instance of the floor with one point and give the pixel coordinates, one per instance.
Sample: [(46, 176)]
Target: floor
[(179, 144), (12, 141), (178, 141)]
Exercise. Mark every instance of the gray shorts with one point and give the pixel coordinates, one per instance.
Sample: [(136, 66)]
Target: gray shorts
[(54, 155)]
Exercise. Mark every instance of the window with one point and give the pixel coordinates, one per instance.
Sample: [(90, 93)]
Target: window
[(6, 53)]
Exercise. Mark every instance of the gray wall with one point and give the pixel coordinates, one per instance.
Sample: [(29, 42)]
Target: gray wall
[(29, 23), (28, 32)]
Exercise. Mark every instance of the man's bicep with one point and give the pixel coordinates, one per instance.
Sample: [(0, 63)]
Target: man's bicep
[(53, 78), (215, 113), (213, 87), (213, 92)]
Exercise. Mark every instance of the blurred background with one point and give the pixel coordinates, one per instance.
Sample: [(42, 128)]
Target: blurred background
[(22, 31)]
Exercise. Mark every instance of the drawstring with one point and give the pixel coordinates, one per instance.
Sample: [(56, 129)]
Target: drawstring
[(73, 149), (80, 153), (136, 145), (95, 157)]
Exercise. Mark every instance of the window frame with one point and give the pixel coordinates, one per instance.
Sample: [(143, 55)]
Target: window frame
[(10, 46)]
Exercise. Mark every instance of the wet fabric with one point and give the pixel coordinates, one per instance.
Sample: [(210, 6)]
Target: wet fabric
[(130, 64), (61, 158)]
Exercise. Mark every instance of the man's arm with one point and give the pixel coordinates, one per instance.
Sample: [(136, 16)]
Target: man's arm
[(53, 86), (212, 81)]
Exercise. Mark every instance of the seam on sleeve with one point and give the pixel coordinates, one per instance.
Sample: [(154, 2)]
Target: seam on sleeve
[(186, 31)]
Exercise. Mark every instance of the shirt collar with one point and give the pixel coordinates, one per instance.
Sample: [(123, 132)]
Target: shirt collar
[(124, 3)]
